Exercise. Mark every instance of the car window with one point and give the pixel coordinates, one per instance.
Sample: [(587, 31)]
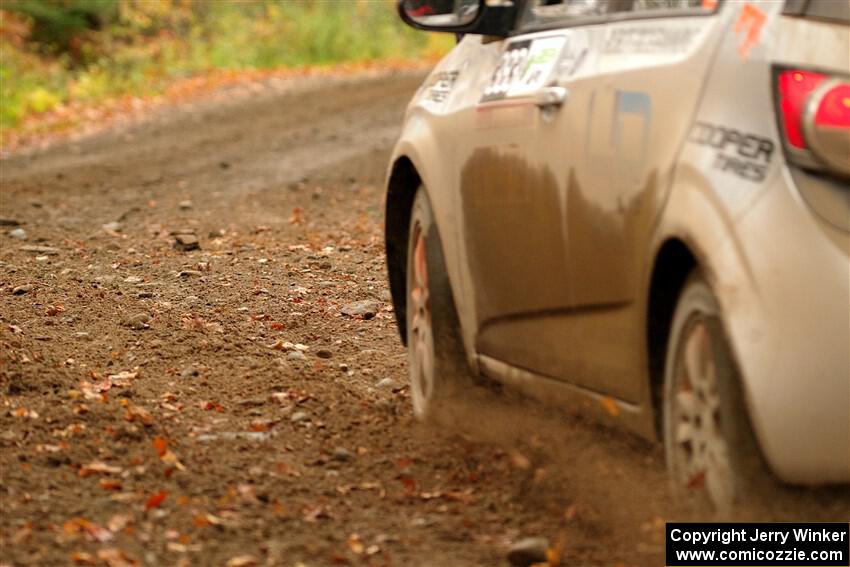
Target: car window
[(543, 12)]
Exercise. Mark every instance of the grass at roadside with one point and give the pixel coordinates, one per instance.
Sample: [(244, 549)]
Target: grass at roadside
[(141, 47)]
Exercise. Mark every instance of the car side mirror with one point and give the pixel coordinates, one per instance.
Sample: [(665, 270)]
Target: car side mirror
[(483, 17)]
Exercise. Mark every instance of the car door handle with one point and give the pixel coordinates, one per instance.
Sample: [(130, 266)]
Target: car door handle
[(550, 97)]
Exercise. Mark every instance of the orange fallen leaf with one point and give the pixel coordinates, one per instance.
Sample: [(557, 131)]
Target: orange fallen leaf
[(24, 412), (53, 310), (155, 500), (555, 553), (160, 445), (297, 217), (110, 484), (140, 414), (354, 544), (211, 406), (77, 526), (409, 483), (610, 406)]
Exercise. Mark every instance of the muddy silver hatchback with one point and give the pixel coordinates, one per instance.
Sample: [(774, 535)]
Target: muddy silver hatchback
[(638, 210)]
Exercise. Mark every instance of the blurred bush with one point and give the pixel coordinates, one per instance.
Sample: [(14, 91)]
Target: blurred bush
[(55, 51)]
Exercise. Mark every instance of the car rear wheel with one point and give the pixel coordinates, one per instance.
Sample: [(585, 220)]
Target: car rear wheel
[(712, 454), (437, 361)]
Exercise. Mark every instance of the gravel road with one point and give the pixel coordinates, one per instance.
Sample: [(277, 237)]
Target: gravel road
[(180, 387)]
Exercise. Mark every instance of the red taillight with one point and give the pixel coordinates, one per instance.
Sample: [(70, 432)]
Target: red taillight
[(834, 107), (814, 115), (795, 86)]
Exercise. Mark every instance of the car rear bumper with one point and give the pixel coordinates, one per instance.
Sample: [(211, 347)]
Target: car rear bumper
[(790, 330)]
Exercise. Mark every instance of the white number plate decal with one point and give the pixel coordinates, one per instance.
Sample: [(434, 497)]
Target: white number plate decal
[(525, 66)]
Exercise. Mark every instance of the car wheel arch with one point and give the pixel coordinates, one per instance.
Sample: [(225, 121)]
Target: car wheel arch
[(404, 180), (674, 262)]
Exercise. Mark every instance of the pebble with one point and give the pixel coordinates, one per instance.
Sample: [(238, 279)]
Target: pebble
[(144, 294), (189, 372), (46, 250), (299, 416), (22, 289), (18, 233), (387, 383), (186, 242), (324, 353), (342, 454), (187, 273), (296, 355), (366, 309), (137, 321), (185, 205), (113, 227), (528, 551)]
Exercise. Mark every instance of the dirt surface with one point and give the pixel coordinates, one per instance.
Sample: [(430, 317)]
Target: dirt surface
[(169, 406)]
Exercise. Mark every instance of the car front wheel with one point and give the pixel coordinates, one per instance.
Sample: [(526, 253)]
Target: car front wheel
[(712, 454), (437, 361)]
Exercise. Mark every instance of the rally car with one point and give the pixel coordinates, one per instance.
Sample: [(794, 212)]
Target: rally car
[(638, 210)]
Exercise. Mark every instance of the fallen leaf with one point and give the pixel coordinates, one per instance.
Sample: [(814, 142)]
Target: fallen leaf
[(140, 414), (610, 406), (520, 461), (53, 310), (210, 406), (114, 557), (242, 561), (313, 513), (409, 483), (202, 520), (170, 459), (77, 526), (98, 467), (155, 500), (160, 445), (123, 379), (297, 217), (555, 553), (110, 484), (118, 522), (24, 412), (23, 534), (354, 544), (83, 558)]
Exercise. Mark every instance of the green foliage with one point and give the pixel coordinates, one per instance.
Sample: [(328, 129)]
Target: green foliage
[(88, 50), (57, 22)]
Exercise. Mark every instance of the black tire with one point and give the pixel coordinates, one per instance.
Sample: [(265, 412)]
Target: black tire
[(726, 441), (433, 328)]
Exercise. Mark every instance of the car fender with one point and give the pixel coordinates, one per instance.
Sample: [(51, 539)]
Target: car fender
[(419, 145)]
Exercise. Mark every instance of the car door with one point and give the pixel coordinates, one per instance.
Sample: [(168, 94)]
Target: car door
[(511, 207), (631, 73)]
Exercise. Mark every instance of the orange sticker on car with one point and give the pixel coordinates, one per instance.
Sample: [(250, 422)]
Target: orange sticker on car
[(748, 26)]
